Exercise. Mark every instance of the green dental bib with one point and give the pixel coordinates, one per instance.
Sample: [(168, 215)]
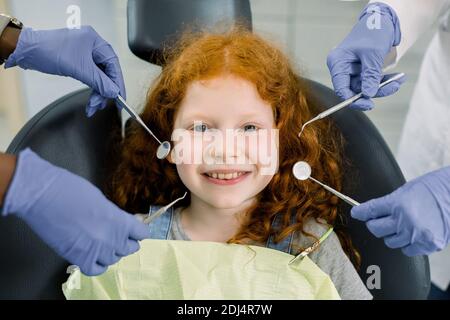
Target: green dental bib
[(176, 269)]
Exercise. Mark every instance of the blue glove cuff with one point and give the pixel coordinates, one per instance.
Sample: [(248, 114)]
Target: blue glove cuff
[(441, 185), (386, 11), (22, 48), (22, 192), (8, 206)]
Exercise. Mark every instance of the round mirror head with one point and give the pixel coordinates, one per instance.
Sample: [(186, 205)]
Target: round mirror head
[(302, 170), (163, 150)]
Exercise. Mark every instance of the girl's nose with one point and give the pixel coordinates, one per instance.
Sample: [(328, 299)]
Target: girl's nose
[(225, 145)]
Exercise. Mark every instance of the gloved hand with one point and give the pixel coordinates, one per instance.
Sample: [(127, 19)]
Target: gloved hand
[(71, 215), (415, 217), (78, 53), (356, 63)]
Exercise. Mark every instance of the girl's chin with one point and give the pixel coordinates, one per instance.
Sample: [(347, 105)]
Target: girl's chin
[(221, 203)]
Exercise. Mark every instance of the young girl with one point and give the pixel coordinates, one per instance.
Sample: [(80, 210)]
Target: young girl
[(214, 82)]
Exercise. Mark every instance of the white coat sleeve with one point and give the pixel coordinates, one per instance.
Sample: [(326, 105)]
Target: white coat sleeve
[(415, 17)]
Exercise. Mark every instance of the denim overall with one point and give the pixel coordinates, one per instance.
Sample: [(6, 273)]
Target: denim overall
[(160, 229)]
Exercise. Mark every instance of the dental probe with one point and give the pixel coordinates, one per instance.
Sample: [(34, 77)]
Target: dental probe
[(164, 147), (345, 103)]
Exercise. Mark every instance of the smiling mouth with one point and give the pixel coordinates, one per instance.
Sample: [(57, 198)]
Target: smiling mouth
[(226, 178)]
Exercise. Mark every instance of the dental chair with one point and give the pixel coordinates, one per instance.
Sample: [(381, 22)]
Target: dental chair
[(63, 135)]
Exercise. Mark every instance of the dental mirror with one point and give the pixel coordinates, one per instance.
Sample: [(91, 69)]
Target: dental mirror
[(302, 171), (164, 147)]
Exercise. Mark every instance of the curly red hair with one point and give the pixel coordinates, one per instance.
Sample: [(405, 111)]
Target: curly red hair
[(140, 179)]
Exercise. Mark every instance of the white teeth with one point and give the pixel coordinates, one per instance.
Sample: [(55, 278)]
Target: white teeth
[(225, 176)]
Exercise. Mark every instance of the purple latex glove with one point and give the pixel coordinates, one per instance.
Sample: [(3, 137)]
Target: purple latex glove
[(415, 217), (71, 215), (78, 53), (356, 63)]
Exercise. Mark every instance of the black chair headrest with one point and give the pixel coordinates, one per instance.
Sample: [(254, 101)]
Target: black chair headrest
[(153, 24)]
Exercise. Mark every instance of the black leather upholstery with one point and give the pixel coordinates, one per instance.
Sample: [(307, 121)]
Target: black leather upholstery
[(63, 135), (163, 19)]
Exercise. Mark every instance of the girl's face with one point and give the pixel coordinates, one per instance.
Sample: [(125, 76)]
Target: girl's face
[(225, 141)]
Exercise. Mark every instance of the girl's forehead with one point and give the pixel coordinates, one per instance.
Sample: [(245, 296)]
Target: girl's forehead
[(223, 96)]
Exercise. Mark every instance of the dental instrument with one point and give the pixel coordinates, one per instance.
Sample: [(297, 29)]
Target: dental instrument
[(302, 171), (155, 215), (164, 147), (345, 103)]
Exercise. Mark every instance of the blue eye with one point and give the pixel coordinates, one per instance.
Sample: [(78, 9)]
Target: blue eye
[(250, 128), (200, 128)]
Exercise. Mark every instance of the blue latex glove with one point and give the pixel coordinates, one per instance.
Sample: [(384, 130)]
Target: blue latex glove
[(356, 63), (78, 53), (415, 217), (71, 215)]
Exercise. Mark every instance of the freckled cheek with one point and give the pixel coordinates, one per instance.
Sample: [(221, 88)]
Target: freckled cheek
[(262, 150), (187, 174), (188, 150)]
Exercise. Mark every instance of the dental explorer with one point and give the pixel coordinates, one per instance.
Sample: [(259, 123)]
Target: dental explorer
[(345, 103)]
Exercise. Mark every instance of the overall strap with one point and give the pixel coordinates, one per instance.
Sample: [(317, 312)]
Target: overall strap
[(285, 244), (160, 226)]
